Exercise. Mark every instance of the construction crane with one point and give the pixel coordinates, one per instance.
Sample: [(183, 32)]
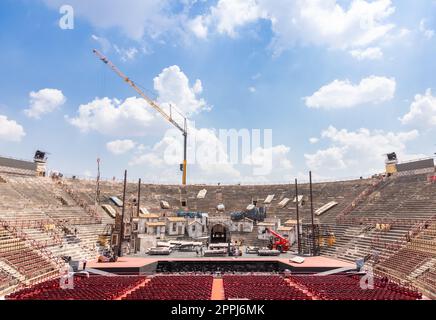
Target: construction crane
[(183, 128)]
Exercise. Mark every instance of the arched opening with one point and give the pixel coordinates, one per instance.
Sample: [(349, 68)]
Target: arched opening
[(219, 234)]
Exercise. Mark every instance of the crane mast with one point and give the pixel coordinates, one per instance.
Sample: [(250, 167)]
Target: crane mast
[(155, 106)]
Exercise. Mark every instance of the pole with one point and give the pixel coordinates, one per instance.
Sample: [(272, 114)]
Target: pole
[(298, 217), (311, 213), (122, 215), (97, 190), (139, 198), (185, 144)]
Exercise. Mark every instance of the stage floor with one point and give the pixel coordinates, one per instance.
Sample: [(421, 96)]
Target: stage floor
[(138, 262)]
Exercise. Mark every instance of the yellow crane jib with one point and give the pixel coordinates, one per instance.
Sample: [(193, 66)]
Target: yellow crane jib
[(156, 107)]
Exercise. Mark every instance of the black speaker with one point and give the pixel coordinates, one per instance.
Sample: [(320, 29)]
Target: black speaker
[(392, 156), (39, 155)]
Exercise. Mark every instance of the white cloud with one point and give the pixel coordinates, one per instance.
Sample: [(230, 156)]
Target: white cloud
[(422, 111), (319, 22), (360, 152), (103, 42), (207, 157), (230, 14), (120, 146), (368, 53), (126, 54), (252, 89), (10, 130), (133, 116), (343, 94), (44, 101), (209, 160), (269, 163), (313, 140), (330, 159), (135, 18), (174, 89), (428, 33), (87, 174), (199, 27)]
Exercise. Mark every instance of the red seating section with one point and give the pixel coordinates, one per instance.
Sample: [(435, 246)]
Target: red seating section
[(175, 288), (343, 287), (199, 287), (257, 287), (92, 288)]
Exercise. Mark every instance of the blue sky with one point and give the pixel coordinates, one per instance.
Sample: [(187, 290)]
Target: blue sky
[(366, 68)]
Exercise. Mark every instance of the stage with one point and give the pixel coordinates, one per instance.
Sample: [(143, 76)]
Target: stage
[(149, 265)]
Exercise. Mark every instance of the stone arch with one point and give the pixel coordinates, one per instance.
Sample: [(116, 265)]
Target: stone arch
[(219, 233)]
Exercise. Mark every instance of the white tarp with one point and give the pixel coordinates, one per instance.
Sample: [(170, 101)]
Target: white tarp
[(164, 204), (116, 201), (250, 207), (111, 211), (297, 259), (300, 198), (144, 210), (325, 208), (201, 194), (284, 202), (269, 199)]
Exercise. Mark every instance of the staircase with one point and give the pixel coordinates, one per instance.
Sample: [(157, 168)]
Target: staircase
[(419, 271)]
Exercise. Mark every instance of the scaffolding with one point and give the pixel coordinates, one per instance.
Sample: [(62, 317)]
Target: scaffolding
[(310, 240)]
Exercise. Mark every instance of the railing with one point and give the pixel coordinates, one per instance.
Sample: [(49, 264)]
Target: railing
[(222, 183), (383, 220), (359, 199), (39, 246), (38, 224), (82, 203), (395, 246)]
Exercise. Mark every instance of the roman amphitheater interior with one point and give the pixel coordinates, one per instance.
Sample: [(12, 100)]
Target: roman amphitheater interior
[(388, 221)]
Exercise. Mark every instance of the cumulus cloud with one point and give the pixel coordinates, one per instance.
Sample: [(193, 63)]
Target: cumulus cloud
[(343, 94), (360, 152), (10, 130), (199, 27), (422, 111), (207, 156), (44, 101), (173, 88), (319, 22), (210, 158), (133, 116), (270, 163), (230, 14), (120, 146), (367, 54)]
